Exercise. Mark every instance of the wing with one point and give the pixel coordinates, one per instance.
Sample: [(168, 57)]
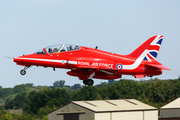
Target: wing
[(88, 73)]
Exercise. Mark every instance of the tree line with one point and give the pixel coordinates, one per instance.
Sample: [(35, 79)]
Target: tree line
[(38, 103)]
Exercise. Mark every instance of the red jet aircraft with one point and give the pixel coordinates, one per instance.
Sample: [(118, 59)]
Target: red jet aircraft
[(87, 63)]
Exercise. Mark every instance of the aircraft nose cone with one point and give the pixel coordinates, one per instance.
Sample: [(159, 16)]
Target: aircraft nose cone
[(15, 59)]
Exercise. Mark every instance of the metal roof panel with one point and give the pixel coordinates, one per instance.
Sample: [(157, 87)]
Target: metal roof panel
[(114, 105)]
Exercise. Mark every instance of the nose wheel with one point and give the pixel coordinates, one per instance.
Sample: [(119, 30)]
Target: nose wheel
[(23, 71), (88, 82)]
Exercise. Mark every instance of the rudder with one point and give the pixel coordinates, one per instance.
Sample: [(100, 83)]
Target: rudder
[(152, 45)]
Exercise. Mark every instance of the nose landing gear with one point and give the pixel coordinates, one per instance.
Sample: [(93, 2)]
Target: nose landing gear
[(88, 82), (23, 71)]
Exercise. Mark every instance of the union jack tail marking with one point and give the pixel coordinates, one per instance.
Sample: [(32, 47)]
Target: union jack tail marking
[(152, 45)]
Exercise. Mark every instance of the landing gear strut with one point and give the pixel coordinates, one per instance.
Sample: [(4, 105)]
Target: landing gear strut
[(88, 82), (23, 71)]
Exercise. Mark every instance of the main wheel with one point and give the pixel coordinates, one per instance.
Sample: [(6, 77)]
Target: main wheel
[(85, 82), (22, 72), (90, 82)]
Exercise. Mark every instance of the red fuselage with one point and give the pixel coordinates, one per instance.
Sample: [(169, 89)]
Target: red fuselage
[(103, 63), (86, 63)]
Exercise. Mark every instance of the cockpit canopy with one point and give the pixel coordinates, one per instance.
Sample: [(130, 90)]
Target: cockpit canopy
[(59, 48)]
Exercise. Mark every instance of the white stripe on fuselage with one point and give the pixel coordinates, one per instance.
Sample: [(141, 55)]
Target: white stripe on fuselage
[(137, 62), (50, 60)]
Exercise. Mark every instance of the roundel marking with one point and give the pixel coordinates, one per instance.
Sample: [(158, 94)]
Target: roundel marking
[(119, 66)]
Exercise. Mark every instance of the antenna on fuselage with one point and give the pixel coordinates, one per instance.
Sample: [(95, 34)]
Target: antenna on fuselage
[(96, 47)]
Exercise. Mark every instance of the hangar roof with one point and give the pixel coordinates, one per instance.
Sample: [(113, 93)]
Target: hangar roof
[(114, 105), (173, 104)]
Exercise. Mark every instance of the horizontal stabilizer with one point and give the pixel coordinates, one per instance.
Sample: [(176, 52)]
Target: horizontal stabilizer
[(158, 66)]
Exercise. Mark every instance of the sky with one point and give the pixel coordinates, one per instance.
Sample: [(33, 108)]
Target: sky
[(117, 26)]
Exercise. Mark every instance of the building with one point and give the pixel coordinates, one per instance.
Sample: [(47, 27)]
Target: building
[(15, 111), (123, 109), (171, 111)]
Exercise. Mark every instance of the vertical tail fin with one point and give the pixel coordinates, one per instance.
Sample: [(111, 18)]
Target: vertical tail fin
[(153, 45)]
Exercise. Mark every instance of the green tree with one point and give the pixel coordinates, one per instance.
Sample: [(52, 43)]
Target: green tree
[(43, 111), (76, 86), (19, 88), (59, 83), (6, 92), (47, 97), (17, 102), (45, 117), (98, 97), (85, 93)]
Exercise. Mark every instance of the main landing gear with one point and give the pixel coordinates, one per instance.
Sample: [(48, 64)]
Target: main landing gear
[(88, 82), (23, 71)]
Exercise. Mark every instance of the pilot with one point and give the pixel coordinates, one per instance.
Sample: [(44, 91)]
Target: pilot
[(55, 50), (71, 48), (50, 50), (76, 47)]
